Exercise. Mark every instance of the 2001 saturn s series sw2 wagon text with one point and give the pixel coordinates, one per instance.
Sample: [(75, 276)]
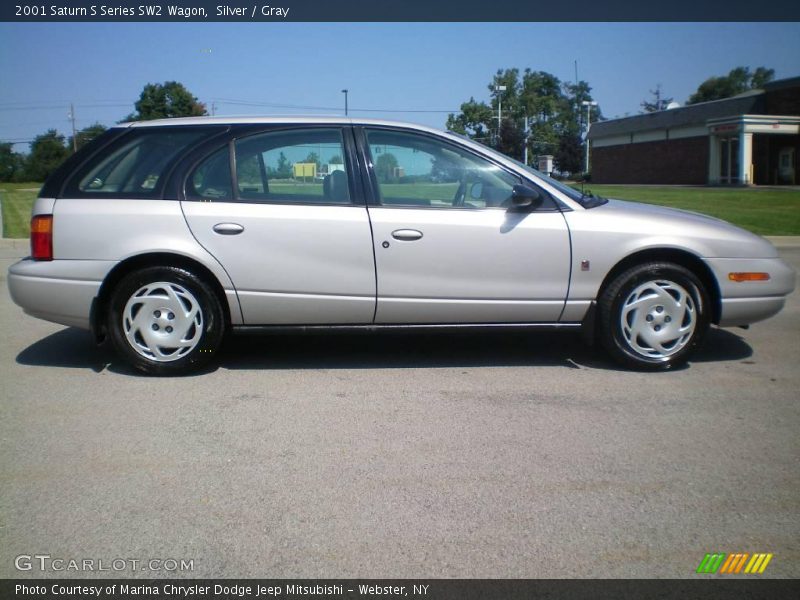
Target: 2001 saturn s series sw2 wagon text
[(162, 236)]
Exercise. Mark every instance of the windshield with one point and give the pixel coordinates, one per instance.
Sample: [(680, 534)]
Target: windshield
[(585, 199)]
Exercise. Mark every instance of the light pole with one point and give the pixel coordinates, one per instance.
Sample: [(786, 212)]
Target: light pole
[(588, 104), (525, 151), (498, 89), (345, 102)]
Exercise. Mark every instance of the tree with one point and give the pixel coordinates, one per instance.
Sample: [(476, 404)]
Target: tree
[(555, 114), (47, 153), (166, 101), (336, 160), (659, 102), (11, 164), (511, 139), (385, 167), (312, 157), (474, 120), (284, 167), (569, 154), (739, 80), (87, 134)]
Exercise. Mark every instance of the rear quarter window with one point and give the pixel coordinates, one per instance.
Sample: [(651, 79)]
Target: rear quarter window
[(135, 165)]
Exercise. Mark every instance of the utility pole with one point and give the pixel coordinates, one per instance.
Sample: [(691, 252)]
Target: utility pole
[(588, 104), (74, 134), (345, 102), (525, 160), (213, 108)]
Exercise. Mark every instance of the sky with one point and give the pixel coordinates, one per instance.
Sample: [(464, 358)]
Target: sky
[(415, 72)]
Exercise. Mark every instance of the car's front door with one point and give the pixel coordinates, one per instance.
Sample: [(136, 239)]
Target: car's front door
[(288, 225), (448, 248)]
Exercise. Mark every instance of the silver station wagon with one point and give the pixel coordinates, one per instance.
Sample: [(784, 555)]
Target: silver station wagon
[(165, 235)]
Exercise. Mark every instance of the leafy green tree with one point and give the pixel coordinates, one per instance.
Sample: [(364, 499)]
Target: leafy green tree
[(312, 157), (739, 80), (511, 139), (659, 101), (87, 134), (761, 76), (385, 166), (164, 101), (284, 167), (474, 120), (544, 104), (336, 160), (554, 111), (47, 153), (569, 154), (11, 164)]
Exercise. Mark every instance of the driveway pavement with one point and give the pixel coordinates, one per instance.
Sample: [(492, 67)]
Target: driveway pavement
[(401, 455)]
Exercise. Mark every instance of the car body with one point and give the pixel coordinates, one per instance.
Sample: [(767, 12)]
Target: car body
[(165, 235)]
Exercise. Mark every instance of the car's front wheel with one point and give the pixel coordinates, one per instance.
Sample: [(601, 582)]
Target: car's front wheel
[(165, 320), (652, 316)]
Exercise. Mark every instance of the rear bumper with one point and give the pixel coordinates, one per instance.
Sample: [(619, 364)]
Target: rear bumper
[(60, 291), (747, 302)]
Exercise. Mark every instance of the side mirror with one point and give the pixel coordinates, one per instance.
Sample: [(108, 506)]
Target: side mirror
[(523, 196)]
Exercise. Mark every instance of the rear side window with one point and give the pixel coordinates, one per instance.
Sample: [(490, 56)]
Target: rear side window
[(305, 166), (211, 180), (135, 167)]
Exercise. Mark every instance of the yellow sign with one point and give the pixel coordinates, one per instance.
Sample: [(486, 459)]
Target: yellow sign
[(303, 170)]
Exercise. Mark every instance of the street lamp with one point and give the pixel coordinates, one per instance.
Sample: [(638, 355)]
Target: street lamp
[(588, 104), (345, 102), (499, 88)]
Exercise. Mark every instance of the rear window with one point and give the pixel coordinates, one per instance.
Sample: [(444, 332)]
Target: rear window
[(136, 165)]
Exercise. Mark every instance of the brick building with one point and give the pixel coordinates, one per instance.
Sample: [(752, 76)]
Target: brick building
[(752, 138)]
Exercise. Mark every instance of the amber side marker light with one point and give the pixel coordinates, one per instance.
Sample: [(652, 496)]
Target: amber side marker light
[(42, 237), (748, 276)]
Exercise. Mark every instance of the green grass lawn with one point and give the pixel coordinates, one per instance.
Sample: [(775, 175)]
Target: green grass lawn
[(17, 201), (762, 211)]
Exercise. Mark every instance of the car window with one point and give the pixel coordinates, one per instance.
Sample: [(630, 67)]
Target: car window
[(302, 166), (135, 167), (211, 179), (418, 171)]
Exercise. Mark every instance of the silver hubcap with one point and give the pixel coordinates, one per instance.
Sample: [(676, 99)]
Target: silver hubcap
[(163, 321), (658, 319)]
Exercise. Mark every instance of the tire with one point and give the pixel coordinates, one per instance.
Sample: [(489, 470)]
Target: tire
[(165, 321), (653, 316)]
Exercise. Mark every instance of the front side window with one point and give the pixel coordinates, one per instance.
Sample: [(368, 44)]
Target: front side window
[(138, 163), (302, 166), (419, 171)]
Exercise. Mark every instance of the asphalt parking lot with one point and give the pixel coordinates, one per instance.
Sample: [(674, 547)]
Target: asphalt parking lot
[(401, 456)]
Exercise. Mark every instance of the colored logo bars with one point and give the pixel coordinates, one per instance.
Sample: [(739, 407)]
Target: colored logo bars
[(734, 563)]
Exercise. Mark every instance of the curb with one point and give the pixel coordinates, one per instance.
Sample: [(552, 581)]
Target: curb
[(9, 243), (784, 241)]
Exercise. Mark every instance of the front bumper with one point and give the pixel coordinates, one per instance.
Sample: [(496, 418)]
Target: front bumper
[(60, 291), (747, 302)]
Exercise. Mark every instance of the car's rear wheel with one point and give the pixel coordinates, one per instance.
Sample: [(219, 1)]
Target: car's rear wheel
[(653, 316), (165, 320)]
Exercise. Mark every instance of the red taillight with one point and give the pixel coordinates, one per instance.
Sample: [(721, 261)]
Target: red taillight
[(42, 237)]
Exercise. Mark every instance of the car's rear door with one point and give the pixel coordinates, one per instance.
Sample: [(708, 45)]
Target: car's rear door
[(283, 212), (447, 247)]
